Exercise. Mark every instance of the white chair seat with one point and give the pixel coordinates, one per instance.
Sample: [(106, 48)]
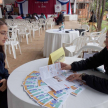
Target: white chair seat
[(7, 42), (14, 42), (95, 44), (71, 48)]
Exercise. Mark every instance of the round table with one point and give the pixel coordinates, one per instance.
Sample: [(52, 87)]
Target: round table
[(55, 38), (17, 98)]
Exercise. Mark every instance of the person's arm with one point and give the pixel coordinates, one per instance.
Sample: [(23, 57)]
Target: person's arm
[(99, 84), (96, 83), (92, 62)]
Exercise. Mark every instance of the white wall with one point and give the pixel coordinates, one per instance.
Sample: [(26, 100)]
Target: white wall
[(9, 1), (72, 1)]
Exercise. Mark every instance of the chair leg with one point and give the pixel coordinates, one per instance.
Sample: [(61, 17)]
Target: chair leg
[(71, 54), (33, 33), (27, 38), (47, 27), (30, 37), (16, 47), (7, 63), (39, 32), (9, 49), (19, 48), (44, 27), (14, 53), (23, 36)]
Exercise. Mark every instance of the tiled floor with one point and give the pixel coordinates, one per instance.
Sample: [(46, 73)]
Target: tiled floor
[(34, 50)]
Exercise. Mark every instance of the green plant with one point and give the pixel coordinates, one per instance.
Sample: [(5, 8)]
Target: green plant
[(106, 12)]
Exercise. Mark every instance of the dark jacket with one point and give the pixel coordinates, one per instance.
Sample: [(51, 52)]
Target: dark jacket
[(3, 71), (60, 18), (98, 59), (93, 18)]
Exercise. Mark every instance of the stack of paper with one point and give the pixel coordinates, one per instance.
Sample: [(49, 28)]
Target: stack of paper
[(39, 86)]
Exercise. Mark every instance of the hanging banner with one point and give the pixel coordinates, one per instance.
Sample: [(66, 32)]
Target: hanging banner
[(20, 2), (63, 1), (47, 7), (58, 8), (74, 6)]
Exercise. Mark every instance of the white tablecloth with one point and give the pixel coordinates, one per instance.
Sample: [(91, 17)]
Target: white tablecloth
[(17, 98), (54, 39)]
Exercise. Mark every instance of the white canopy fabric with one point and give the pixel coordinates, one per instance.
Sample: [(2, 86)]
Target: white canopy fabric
[(75, 6)]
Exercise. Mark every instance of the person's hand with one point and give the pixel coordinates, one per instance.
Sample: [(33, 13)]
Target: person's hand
[(4, 86), (74, 77), (65, 66)]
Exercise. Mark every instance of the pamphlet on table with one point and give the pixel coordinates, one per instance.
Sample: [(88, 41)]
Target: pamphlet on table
[(49, 87)]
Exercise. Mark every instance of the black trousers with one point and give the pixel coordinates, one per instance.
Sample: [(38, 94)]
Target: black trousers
[(3, 99)]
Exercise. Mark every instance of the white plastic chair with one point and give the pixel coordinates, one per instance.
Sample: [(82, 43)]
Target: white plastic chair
[(22, 31), (29, 27), (42, 22), (35, 28), (89, 49), (49, 22), (76, 44), (95, 35), (12, 41), (99, 41), (86, 27)]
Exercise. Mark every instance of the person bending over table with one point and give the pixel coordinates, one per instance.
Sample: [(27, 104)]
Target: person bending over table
[(98, 59), (3, 72)]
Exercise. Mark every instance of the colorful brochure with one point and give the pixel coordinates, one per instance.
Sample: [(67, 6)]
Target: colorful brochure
[(34, 73), (77, 91), (57, 94)]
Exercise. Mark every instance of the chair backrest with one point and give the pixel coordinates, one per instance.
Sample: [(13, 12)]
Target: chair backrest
[(80, 42), (22, 29), (50, 20), (103, 30), (88, 48), (13, 31), (85, 26), (101, 39), (41, 20), (35, 25), (29, 26)]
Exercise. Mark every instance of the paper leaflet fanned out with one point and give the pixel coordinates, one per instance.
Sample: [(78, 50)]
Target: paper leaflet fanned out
[(38, 86)]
